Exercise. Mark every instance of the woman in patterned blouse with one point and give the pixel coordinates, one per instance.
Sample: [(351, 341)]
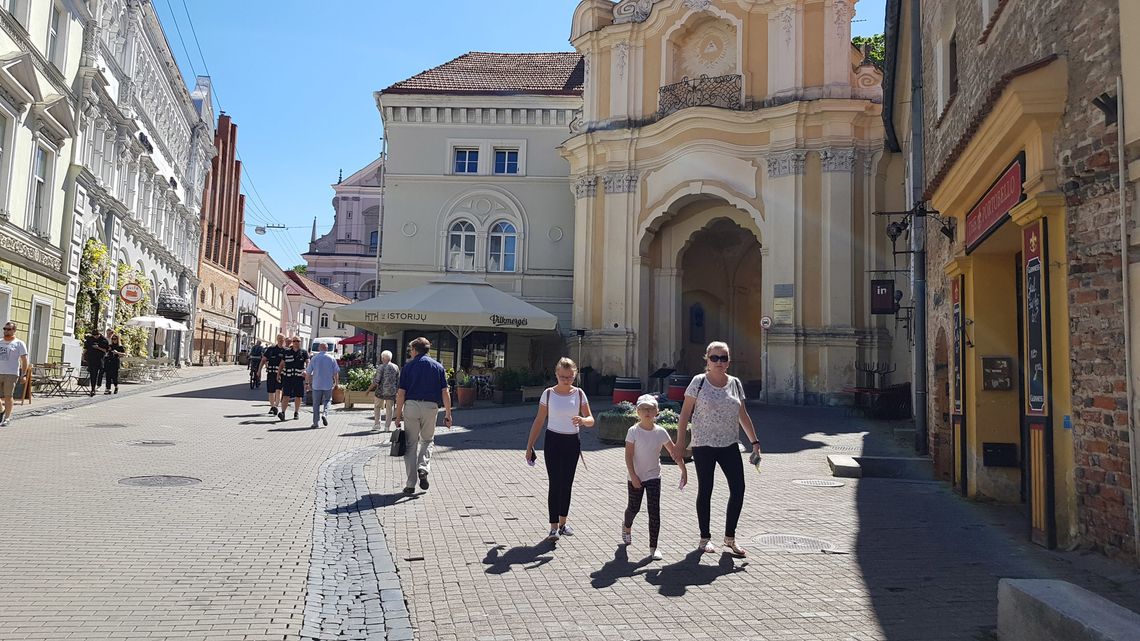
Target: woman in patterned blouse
[(714, 405)]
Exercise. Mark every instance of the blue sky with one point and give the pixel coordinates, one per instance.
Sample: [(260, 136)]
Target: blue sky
[(297, 78)]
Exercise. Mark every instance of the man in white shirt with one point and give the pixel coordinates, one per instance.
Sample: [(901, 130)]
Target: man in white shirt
[(13, 363)]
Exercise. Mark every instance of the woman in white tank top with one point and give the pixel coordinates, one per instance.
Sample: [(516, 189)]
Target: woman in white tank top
[(565, 410)]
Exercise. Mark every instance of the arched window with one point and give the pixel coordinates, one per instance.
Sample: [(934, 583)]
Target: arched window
[(324, 321), (368, 290), (461, 247), (502, 248)]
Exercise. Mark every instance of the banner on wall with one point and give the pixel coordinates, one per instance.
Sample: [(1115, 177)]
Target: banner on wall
[(957, 360), (1035, 255)]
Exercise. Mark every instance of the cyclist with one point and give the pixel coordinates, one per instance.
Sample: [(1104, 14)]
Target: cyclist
[(255, 354)]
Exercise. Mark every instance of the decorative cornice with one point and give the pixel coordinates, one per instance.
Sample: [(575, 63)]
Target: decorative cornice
[(697, 5), (786, 163), (632, 11), (621, 182), (586, 186), (31, 249), (20, 35), (838, 160)]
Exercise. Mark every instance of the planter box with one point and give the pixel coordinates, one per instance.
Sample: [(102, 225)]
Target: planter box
[(506, 398), (532, 392), (358, 398), (612, 430), (465, 396)]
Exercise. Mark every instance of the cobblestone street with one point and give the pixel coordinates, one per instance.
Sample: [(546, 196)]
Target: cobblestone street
[(295, 533)]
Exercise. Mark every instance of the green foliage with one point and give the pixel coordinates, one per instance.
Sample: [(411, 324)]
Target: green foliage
[(301, 269), (666, 417), (134, 339), (464, 379), (94, 268), (877, 47), (360, 378), (509, 380)]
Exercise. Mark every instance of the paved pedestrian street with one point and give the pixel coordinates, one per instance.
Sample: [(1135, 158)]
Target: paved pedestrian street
[(284, 532)]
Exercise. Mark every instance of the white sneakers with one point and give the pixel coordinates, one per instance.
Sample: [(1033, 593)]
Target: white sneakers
[(655, 554)]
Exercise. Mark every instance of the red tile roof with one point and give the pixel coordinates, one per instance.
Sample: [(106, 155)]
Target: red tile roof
[(481, 73), (249, 246), (315, 289)]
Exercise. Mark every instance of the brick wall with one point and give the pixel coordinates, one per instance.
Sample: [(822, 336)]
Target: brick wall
[(1084, 33)]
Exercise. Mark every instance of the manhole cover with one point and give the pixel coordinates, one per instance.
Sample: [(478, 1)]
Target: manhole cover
[(819, 483), (151, 443), (108, 425), (159, 481), (795, 543)]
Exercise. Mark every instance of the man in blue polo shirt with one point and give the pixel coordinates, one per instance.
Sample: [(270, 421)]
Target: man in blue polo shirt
[(322, 373), (423, 384)]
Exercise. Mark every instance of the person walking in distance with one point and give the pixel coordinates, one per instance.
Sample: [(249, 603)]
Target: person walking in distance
[(714, 405), (13, 365), (271, 361), (643, 443), (423, 384), (568, 411), (292, 372), (322, 375), (255, 355), (95, 348), (112, 362), (385, 383)]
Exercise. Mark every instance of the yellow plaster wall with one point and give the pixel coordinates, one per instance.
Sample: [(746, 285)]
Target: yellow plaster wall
[(812, 246), (859, 275), (756, 54), (813, 45), (651, 73)]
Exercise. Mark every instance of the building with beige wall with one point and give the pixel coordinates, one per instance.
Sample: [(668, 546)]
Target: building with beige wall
[(725, 167), (474, 184), (274, 313), (344, 259), (40, 49)]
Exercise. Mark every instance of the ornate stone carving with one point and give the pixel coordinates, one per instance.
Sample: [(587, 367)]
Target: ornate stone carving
[(843, 14), (697, 5), (621, 182), (622, 56), (787, 17), (30, 251), (786, 163), (586, 186), (632, 11), (838, 160)]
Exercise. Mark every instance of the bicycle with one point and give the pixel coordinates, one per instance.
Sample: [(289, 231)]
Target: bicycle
[(255, 375)]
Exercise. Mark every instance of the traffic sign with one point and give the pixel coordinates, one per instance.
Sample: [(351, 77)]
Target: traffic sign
[(131, 293), (766, 322)]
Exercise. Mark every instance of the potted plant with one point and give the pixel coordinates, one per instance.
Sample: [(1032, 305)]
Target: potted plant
[(508, 387), (465, 389), (613, 423), (356, 389)]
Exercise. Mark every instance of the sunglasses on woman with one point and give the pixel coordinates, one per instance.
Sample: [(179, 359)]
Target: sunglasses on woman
[(717, 358)]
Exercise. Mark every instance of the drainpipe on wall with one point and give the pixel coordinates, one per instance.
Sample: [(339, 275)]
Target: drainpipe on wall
[(1122, 169), (918, 230)]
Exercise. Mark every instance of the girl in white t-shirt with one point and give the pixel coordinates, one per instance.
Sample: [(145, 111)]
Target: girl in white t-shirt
[(643, 445), (568, 410)]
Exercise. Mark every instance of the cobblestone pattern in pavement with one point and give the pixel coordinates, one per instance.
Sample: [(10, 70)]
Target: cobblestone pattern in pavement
[(353, 589), (914, 562)]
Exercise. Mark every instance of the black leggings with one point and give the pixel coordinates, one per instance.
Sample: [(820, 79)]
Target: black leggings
[(652, 487), (95, 375), (112, 375), (706, 459), (561, 456)]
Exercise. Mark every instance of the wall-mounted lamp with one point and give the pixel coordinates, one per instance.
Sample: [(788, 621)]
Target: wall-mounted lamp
[(1107, 105), (966, 332)]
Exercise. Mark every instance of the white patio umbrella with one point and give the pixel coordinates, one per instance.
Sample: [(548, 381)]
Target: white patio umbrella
[(459, 304), (156, 322)]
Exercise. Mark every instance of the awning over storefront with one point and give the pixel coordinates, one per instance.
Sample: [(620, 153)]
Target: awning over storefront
[(459, 304), (221, 327)]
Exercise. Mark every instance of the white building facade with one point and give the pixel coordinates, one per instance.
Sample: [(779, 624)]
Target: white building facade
[(344, 259), (474, 184), (273, 309), (137, 178)]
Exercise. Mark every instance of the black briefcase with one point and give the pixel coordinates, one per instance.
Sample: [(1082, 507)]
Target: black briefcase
[(399, 442)]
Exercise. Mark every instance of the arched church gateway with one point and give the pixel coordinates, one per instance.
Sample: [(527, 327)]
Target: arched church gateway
[(725, 167)]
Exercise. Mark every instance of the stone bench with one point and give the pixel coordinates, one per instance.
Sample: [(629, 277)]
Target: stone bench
[(844, 466), (1046, 610)]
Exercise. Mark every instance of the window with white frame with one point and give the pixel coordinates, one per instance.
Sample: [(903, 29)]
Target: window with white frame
[(56, 37), (373, 242), (324, 321), (461, 246), (502, 248), (946, 59), (5, 154), (340, 325), (506, 161), (18, 9), (39, 205), (466, 160)]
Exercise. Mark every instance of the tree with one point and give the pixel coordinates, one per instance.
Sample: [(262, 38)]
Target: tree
[(301, 269), (876, 50)]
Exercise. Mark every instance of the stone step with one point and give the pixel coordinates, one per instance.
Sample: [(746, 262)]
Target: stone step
[(1047, 610), (844, 466)]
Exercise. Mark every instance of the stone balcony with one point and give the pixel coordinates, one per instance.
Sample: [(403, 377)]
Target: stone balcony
[(720, 91)]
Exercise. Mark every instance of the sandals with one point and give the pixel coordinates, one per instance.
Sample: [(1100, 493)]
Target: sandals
[(706, 546), (730, 543)]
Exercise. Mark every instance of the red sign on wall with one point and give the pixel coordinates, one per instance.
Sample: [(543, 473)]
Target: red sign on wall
[(993, 209)]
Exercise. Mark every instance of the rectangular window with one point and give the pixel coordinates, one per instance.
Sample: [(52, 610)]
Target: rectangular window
[(324, 281), (466, 161), (39, 219), (953, 61), (55, 46), (4, 151), (506, 161)]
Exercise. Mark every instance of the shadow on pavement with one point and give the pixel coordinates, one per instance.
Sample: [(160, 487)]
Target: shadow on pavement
[(258, 415), (362, 433), (676, 578), (239, 392), (500, 562), (619, 568), (293, 429), (272, 421), (370, 502)]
